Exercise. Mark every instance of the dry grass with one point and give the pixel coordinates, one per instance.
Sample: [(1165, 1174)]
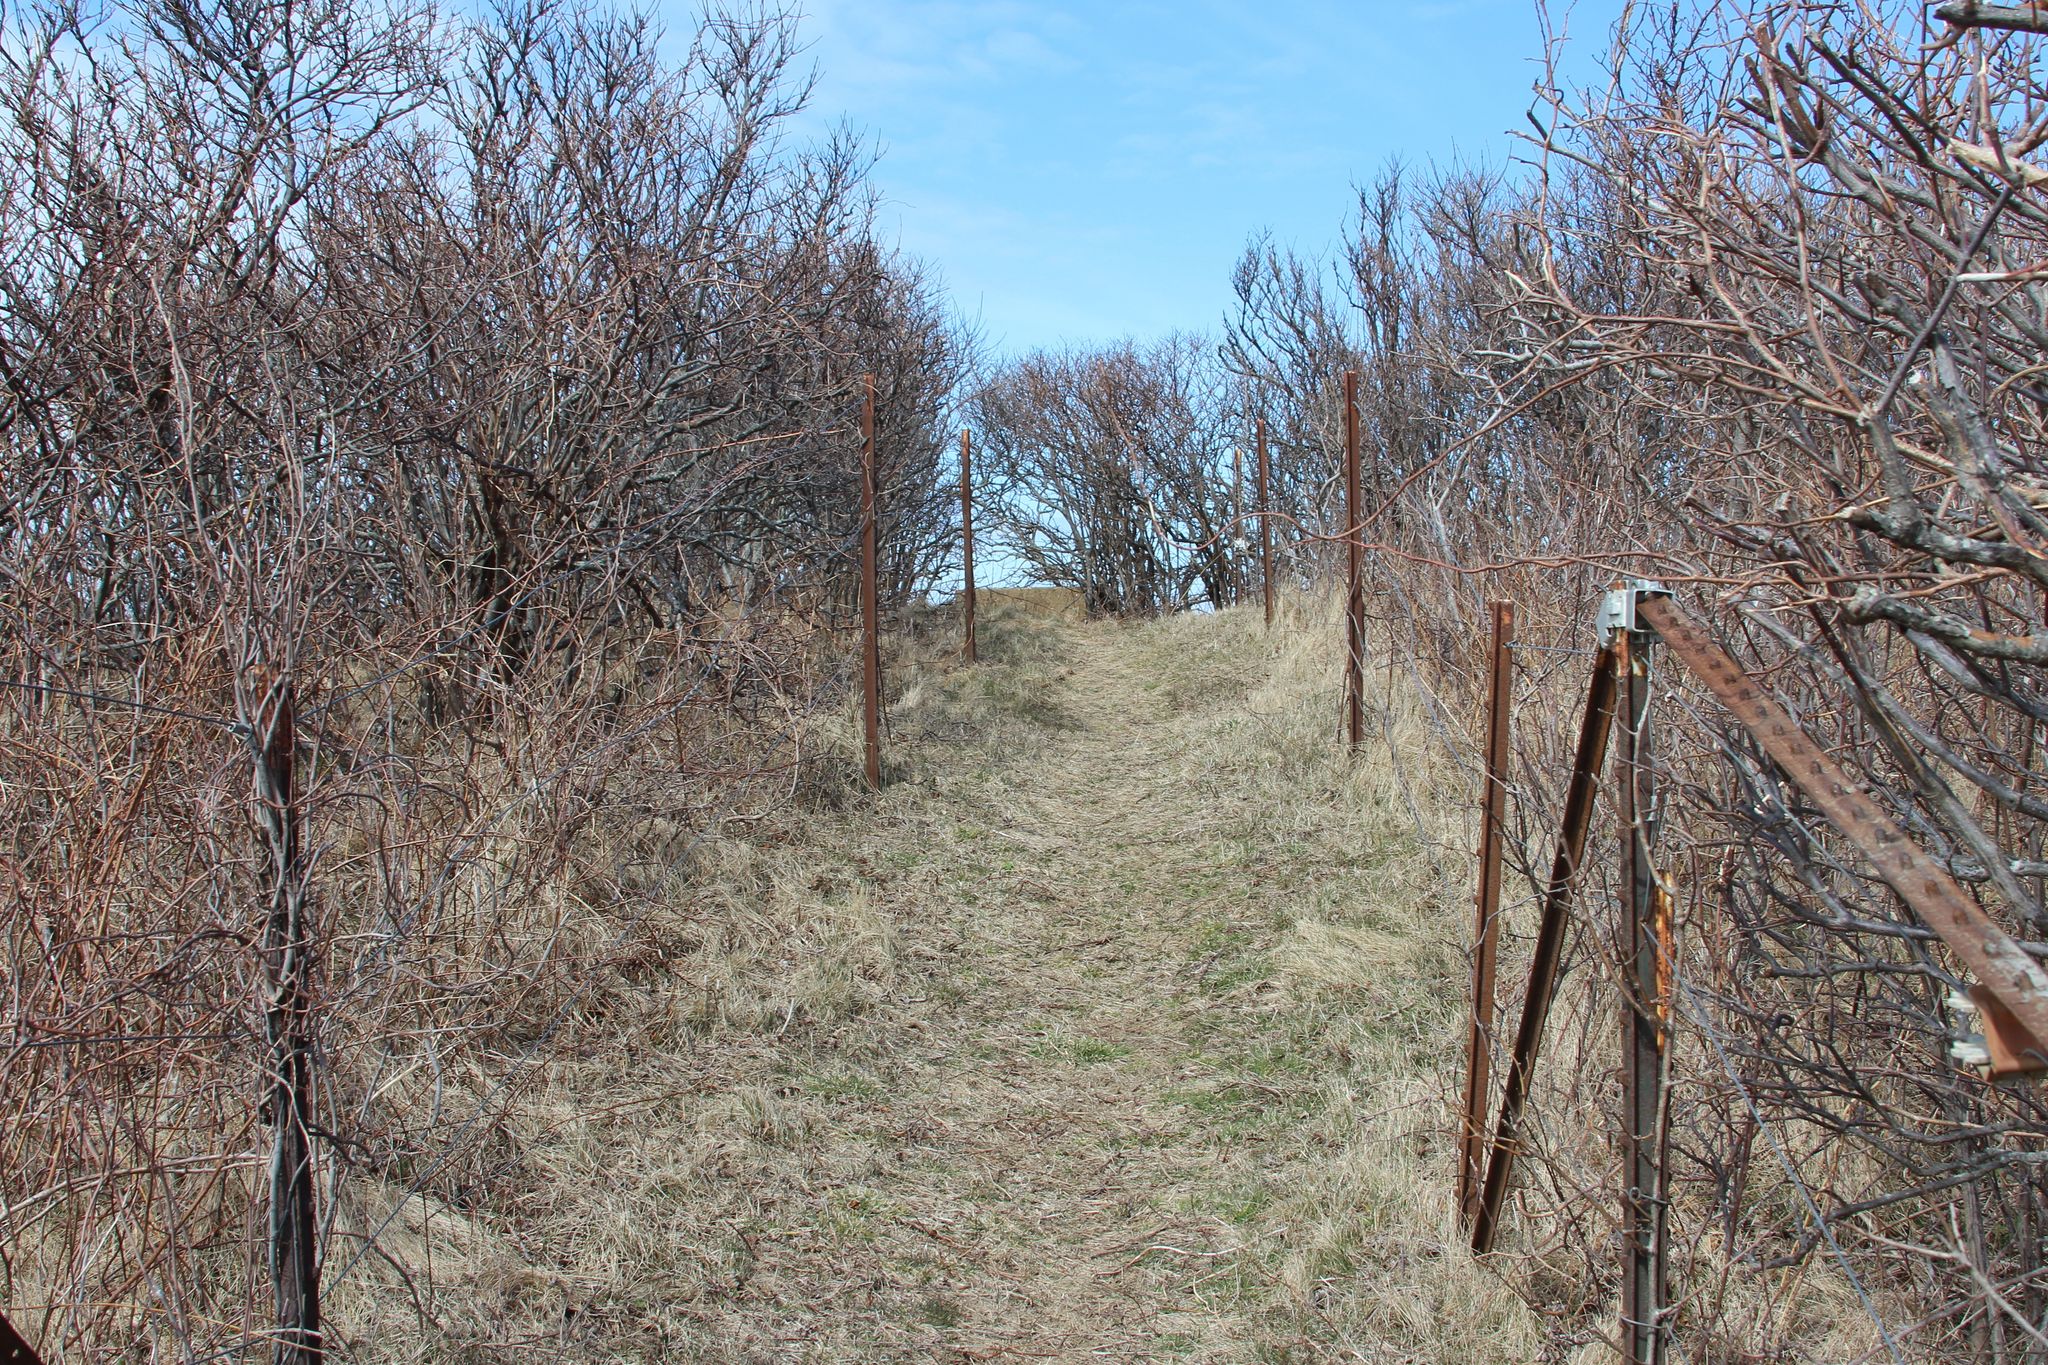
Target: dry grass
[(1063, 604), (1124, 1025)]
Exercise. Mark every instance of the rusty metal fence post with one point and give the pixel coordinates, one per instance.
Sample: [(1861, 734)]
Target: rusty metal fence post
[(1645, 942), (1354, 549), (1486, 929), (870, 592), (967, 544), (2011, 987), (288, 1093), (1265, 526), (1237, 583)]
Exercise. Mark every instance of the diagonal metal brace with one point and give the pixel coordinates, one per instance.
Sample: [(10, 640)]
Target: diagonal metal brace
[(1595, 727), (2009, 979), (14, 1348)]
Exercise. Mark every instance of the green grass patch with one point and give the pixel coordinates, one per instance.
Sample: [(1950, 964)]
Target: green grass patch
[(1081, 1051), (840, 1086)]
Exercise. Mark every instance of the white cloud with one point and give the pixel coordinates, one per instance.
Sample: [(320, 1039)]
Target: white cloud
[(893, 52)]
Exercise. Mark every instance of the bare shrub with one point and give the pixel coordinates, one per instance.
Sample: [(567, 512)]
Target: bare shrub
[(485, 387)]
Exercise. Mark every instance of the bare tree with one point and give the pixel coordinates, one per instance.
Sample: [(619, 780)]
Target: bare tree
[(1111, 473)]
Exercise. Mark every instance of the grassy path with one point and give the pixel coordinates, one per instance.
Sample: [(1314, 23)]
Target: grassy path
[(1100, 1165), (1057, 1187), (1118, 1029)]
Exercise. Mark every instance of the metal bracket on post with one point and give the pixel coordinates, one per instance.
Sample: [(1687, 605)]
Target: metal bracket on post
[(1617, 614), (2004, 1048)]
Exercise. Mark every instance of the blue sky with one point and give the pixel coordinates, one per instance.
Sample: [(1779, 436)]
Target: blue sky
[(1082, 172)]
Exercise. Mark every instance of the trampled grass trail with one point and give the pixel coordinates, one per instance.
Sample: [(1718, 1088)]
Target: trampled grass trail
[(1121, 1027)]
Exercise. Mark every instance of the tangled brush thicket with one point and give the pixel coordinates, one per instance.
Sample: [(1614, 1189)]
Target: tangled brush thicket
[(484, 392), (486, 388)]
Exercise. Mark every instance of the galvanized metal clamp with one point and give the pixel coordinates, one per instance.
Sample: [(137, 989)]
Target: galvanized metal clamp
[(1617, 613)]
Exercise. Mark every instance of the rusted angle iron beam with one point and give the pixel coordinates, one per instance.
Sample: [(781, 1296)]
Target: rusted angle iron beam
[(2013, 979)]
